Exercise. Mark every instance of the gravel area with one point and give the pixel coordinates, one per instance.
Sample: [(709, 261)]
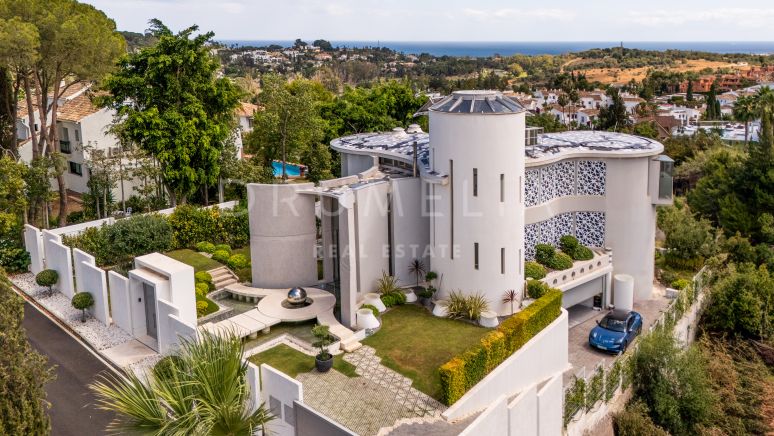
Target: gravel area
[(92, 331), (143, 367)]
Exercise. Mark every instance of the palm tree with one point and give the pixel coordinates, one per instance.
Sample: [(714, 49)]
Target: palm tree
[(745, 111), (201, 389), (417, 267)]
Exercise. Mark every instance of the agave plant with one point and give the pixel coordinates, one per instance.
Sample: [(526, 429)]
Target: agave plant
[(201, 389), (387, 284), (466, 306)]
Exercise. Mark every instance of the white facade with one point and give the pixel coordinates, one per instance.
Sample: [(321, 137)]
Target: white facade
[(478, 216)]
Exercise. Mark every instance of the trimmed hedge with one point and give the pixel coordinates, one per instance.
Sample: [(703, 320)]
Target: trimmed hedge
[(464, 371), (570, 245), (238, 261), (534, 270), (559, 262), (221, 256)]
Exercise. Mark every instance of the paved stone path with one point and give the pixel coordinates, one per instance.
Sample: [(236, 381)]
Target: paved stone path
[(376, 399)]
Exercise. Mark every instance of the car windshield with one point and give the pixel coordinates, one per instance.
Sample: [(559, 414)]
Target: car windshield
[(615, 325)]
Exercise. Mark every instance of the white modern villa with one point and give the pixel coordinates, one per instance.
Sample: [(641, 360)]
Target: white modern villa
[(471, 199)]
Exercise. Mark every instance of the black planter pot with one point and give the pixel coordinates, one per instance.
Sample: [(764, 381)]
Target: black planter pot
[(425, 301), (323, 365)]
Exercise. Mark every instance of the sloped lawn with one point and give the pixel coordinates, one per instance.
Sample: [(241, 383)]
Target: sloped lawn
[(196, 260)]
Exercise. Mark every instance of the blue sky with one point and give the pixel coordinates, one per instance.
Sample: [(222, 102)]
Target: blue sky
[(457, 20)]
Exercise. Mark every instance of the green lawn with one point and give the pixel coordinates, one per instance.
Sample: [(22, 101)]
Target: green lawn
[(293, 362), (415, 343), (196, 260)]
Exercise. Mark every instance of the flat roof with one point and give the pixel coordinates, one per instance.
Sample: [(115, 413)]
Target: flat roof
[(550, 147)]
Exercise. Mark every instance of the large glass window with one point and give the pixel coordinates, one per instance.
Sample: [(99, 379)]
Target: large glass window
[(665, 176)]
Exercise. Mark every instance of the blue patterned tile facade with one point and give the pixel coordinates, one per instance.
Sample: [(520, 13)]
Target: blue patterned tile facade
[(588, 227), (564, 179)]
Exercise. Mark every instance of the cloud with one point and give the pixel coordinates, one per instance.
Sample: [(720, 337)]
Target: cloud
[(508, 13), (738, 17)]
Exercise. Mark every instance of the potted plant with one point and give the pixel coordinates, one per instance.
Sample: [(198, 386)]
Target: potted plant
[(82, 301), (324, 360), (417, 267), (426, 296)]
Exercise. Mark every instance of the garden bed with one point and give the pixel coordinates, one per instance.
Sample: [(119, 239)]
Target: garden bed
[(293, 362), (198, 261), (415, 343)]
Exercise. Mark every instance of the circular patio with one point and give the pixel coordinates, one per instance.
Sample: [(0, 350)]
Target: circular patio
[(271, 305)]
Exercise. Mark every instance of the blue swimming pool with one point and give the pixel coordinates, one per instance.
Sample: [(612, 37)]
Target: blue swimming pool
[(292, 170)]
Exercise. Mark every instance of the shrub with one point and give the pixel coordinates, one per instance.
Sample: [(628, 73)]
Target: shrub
[(238, 261), (634, 421), (12, 257), (82, 301), (203, 276), (223, 247), (463, 371), (124, 240), (582, 253), (221, 256), (680, 283), (202, 306), (534, 270), (536, 289), (206, 247), (569, 243), (202, 289), (395, 298), (373, 309), (427, 293), (191, 224), (237, 227), (559, 262), (47, 278), (167, 366), (544, 253)]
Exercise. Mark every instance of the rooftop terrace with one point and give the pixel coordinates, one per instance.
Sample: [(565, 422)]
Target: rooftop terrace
[(399, 144)]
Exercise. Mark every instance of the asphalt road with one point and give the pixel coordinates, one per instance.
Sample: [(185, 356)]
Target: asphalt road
[(72, 403)]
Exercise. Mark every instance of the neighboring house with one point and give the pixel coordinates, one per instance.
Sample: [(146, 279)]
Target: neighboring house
[(685, 115), (632, 102), (245, 113)]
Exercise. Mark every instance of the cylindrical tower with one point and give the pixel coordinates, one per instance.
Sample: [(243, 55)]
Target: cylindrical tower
[(477, 140)]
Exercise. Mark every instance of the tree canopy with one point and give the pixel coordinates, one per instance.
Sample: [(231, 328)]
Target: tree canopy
[(170, 103)]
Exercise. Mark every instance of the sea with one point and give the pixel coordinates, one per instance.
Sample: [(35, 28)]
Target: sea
[(486, 49)]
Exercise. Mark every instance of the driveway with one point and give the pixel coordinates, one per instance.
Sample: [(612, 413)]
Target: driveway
[(582, 355), (72, 403)]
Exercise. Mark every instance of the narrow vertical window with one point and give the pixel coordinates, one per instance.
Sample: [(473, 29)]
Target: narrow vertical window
[(502, 188), (475, 255), (521, 260), (451, 206), (502, 261), (475, 182)]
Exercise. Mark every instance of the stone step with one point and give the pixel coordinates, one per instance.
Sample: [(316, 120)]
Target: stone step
[(350, 346), (220, 273), (222, 284)]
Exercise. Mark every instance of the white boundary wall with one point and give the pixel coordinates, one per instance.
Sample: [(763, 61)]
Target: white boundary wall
[(120, 301), (79, 258), (171, 329), (59, 258), (279, 391), (544, 356), (34, 245), (492, 421), (95, 283), (523, 413)]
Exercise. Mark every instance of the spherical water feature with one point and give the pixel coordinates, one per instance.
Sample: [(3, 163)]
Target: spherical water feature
[(296, 298)]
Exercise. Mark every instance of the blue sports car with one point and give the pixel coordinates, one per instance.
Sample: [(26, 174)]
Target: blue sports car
[(616, 331)]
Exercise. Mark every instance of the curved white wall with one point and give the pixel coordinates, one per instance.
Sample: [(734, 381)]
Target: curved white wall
[(283, 235), (494, 144)]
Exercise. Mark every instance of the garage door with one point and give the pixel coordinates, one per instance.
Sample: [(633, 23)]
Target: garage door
[(583, 292)]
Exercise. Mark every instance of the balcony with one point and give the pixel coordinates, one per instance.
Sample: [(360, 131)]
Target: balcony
[(582, 270)]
